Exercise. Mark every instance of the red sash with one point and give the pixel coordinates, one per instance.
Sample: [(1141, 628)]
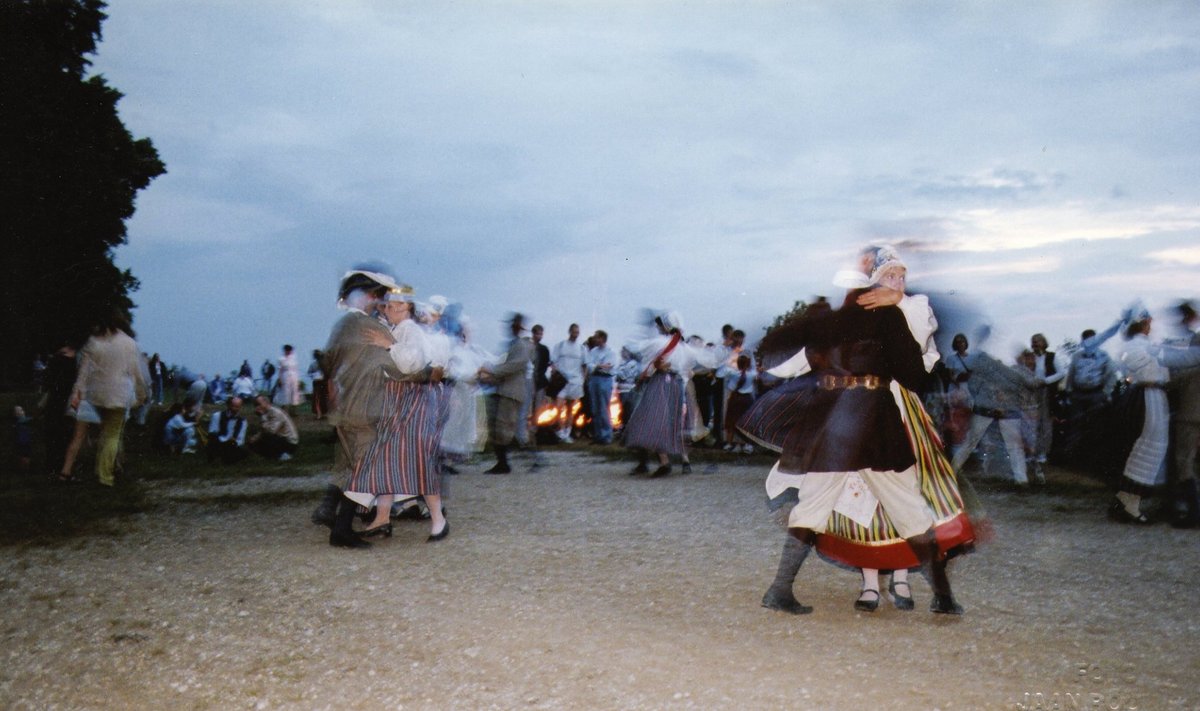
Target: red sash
[(675, 338)]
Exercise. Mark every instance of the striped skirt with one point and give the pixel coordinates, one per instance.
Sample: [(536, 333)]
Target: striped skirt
[(1145, 468), (403, 459), (878, 545), (656, 424)]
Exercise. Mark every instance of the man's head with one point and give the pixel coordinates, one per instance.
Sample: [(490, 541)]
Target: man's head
[(261, 404), (234, 405), (537, 331), (959, 344), (1088, 333), (573, 331), (1038, 343), (737, 337), (601, 338), (1027, 359), (516, 324)]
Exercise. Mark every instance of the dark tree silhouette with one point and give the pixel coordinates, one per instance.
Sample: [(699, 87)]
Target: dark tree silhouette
[(69, 174)]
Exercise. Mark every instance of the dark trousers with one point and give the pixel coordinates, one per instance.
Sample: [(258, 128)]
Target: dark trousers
[(225, 452), (271, 445)]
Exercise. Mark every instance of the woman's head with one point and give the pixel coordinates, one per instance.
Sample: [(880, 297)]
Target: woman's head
[(959, 344)]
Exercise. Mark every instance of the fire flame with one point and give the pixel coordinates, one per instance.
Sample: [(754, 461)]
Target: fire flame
[(549, 414)]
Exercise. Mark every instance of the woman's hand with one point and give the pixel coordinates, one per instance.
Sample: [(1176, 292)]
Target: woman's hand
[(882, 296), (375, 338), (76, 398)]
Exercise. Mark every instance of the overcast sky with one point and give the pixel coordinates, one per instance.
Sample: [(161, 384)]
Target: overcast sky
[(579, 160)]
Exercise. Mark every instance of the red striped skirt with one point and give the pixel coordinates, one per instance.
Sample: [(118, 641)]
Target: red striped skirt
[(404, 456)]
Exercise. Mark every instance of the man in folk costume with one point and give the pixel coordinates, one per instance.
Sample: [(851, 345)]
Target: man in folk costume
[(902, 529), (657, 423), (509, 378), (356, 373)]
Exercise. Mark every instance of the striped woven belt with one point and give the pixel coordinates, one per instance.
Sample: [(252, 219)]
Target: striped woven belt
[(849, 382)]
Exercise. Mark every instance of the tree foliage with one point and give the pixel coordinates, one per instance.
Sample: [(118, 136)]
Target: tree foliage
[(70, 173)]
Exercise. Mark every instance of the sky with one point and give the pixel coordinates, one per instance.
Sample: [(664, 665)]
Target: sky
[(577, 161)]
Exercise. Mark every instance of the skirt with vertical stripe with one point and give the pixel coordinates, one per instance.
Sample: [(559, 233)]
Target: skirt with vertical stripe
[(403, 459), (878, 545), (657, 422)]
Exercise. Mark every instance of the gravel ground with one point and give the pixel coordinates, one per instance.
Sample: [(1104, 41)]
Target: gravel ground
[(577, 586)]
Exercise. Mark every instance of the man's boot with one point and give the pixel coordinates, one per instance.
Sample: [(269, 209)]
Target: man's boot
[(925, 546), (1188, 493), (343, 535), (501, 466), (780, 596), (326, 511)]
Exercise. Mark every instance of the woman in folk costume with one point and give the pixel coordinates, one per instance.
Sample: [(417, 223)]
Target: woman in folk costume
[(403, 459), (657, 424), (460, 439), (1147, 365), (859, 453)]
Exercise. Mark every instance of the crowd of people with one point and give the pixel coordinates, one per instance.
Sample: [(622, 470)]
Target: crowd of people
[(871, 424)]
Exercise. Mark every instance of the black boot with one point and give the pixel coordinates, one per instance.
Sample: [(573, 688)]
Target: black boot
[(780, 596), (326, 510), (642, 465), (343, 535), (501, 461), (925, 546), (1188, 493)]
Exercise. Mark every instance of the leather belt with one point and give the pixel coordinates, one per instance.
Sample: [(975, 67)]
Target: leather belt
[(849, 382)]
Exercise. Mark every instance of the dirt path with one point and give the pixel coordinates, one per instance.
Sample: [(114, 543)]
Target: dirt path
[(577, 586)]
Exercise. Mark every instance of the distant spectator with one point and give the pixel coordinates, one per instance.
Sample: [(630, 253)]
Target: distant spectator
[(158, 379), (246, 370), (216, 389), (179, 433), (198, 390), (243, 387), (320, 388), (267, 370), (227, 433), (278, 438), (287, 390)]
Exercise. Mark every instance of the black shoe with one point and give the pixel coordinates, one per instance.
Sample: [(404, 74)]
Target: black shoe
[(323, 515), (661, 471), (1118, 513), (641, 468), (687, 468), (439, 535), (944, 605), (446, 468), (384, 530), (902, 602), (784, 603), (341, 540), (499, 469), (867, 604)]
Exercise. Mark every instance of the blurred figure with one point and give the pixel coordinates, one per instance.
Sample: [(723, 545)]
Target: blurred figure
[(158, 379), (57, 414), (1185, 428), (541, 366), (267, 370), (320, 391), (1147, 368), (111, 379), (22, 439), (198, 390), (1049, 374), (508, 377), (179, 432), (566, 359), (658, 424), (601, 363), (626, 384), (243, 387), (287, 389), (216, 389), (1091, 377), (959, 404), (996, 393), (278, 437), (740, 382)]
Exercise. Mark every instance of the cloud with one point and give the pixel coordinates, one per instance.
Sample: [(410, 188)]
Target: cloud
[(1185, 256)]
